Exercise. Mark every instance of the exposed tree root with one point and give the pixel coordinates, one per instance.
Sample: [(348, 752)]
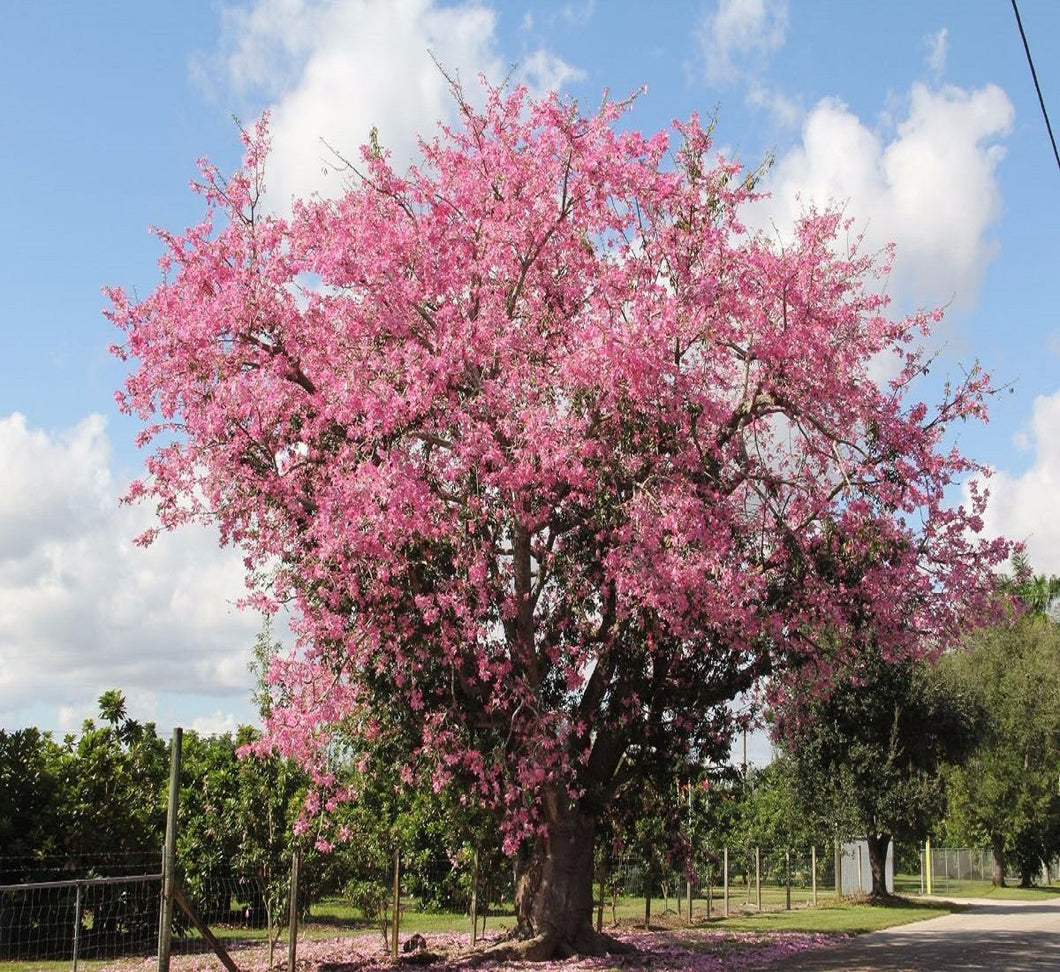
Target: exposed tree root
[(550, 946)]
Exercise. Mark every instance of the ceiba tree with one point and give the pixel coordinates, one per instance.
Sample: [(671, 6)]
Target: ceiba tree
[(541, 444)]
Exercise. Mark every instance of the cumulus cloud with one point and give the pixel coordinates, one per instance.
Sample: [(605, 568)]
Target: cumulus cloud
[(929, 184), (1023, 507), (333, 71), (739, 36), (82, 609)]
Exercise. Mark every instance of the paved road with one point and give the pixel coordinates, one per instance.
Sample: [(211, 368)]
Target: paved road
[(992, 936)]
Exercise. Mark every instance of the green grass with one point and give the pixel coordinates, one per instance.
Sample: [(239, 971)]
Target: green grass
[(336, 917), (842, 917), (846, 917), (984, 889)]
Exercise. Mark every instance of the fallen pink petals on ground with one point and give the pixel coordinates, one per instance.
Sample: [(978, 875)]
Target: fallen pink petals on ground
[(680, 951)]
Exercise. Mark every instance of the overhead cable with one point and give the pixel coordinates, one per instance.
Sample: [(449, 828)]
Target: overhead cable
[(1037, 87)]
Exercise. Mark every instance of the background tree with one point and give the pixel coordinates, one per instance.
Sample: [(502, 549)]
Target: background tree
[(1008, 793), (30, 803), (208, 828), (542, 455), (114, 780), (869, 754), (1037, 592), (772, 811)]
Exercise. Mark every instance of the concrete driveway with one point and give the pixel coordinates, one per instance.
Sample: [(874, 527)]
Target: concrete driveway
[(992, 935)]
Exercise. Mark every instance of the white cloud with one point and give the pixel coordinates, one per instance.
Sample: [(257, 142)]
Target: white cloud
[(82, 609), (544, 71), (929, 185), (938, 46), (739, 36), (787, 110), (217, 723), (333, 71), (1024, 507), (578, 14)]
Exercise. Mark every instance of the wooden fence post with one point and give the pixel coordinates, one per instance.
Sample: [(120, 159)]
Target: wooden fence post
[(169, 855), (203, 929), (78, 908), (758, 876), (725, 879), (474, 898), (292, 914), (787, 879), (600, 902), (647, 897), (813, 870), (397, 904)]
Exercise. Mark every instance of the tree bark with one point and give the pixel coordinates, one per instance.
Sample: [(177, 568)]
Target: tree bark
[(997, 844), (554, 895), (878, 845)]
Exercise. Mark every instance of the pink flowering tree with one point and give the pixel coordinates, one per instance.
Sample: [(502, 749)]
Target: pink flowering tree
[(541, 444)]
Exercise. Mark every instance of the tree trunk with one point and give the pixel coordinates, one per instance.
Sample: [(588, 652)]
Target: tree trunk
[(554, 895), (997, 844), (878, 845)]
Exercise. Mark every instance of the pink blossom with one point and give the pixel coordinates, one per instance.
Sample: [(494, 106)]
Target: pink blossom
[(556, 442)]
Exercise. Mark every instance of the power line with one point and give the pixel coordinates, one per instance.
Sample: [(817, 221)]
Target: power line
[(1037, 87)]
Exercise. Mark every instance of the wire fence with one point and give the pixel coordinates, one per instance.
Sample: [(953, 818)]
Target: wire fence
[(733, 879), (80, 918), (104, 911)]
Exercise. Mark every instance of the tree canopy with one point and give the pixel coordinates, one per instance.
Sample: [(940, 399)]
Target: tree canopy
[(550, 454), (869, 754), (1008, 793)]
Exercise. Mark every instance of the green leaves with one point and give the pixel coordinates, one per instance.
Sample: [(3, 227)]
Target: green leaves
[(1007, 792)]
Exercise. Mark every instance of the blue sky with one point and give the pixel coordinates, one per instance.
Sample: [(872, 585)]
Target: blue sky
[(919, 117)]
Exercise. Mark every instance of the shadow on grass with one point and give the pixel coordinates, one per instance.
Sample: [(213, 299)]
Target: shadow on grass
[(341, 923), (851, 916)]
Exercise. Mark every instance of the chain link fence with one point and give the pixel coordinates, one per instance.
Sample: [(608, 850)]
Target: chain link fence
[(963, 870)]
